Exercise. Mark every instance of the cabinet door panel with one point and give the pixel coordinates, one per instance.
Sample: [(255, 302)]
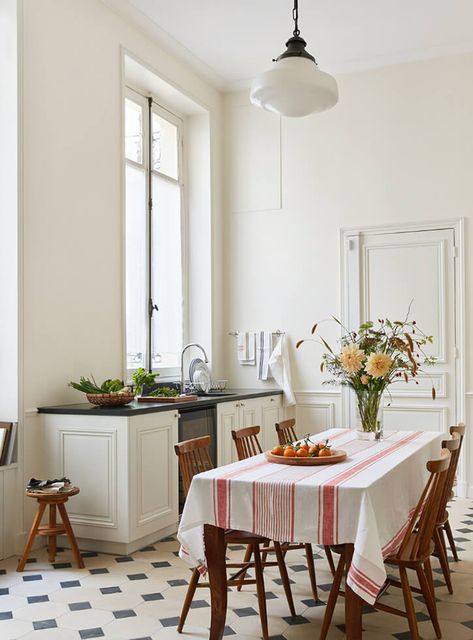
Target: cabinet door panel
[(96, 504), (156, 478), (227, 421), (272, 413)]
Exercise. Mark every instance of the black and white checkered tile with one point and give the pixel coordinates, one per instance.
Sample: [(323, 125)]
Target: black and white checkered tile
[(139, 597)]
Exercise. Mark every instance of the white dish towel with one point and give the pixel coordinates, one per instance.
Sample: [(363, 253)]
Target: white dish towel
[(246, 347), (281, 370), (264, 340)]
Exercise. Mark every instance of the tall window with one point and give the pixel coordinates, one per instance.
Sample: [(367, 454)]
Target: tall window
[(154, 274)]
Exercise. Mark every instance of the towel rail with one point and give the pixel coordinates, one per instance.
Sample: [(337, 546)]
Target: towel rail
[(275, 333)]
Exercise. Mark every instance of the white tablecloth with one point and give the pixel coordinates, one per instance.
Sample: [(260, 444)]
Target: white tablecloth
[(365, 500)]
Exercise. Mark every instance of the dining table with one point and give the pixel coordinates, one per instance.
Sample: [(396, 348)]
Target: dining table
[(363, 502)]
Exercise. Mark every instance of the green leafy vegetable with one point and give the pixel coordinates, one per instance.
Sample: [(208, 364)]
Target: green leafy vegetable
[(87, 385), (166, 392), (142, 377)]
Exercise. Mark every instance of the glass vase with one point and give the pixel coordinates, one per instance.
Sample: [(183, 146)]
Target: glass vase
[(370, 411)]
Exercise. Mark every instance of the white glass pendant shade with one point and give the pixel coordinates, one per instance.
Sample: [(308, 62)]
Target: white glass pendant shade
[(294, 87)]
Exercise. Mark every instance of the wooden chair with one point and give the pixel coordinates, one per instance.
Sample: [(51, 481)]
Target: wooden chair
[(414, 553), (453, 446), (286, 430), (194, 458), (460, 430), (247, 445)]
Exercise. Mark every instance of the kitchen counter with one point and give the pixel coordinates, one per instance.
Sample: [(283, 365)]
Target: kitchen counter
[(124, 462), (138, 408)]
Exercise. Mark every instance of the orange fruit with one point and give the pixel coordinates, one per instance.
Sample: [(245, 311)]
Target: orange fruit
[(313, 450), (289, 452), (325, 452), (277, 451), (302, 453), (304, 445)]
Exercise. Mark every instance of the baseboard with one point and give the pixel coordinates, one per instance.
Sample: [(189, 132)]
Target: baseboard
[(119, 548)]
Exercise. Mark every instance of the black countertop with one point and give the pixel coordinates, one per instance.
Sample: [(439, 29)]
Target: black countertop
[(136, 408)]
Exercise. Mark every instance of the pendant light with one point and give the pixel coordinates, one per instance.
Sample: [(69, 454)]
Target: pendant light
[(295, 86)]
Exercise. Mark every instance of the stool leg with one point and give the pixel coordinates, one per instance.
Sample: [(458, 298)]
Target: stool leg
[(71, 536), (52, 538), (31, 536)]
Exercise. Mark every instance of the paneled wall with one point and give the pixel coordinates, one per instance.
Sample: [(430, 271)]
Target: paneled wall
[(392, 151)]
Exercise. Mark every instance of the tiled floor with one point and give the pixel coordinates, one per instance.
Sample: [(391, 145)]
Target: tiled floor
[(140, 597)]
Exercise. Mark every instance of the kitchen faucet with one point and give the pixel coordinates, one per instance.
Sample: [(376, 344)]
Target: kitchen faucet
[(191, 344)]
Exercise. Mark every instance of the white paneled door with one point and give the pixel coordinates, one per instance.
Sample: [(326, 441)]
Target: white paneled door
[(385, 273)]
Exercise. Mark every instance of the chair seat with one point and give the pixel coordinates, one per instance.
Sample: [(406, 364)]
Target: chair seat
[(243, 537), (405, 557)]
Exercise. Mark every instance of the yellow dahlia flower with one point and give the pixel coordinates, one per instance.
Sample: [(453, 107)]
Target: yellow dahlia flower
[(352, 358), (378, 364)]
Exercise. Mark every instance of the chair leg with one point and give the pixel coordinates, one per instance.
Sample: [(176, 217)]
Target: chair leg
[(441, 550), (71, 536), (261, 592), (430, 578), (409, 603), (429, 600), (332, 598), (451, 541), (331, 564), (32, 535), (264, 553), (247, 558), (310, 564), (189, 597), (52, 539), (284, 577)]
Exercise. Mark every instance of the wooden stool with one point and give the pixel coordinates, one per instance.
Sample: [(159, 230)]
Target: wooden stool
[(52, 529)]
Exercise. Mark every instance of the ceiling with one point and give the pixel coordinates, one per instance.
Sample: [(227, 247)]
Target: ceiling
[(230, 41)]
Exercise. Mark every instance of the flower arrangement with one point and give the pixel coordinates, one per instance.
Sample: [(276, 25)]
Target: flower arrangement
[(373, 358)]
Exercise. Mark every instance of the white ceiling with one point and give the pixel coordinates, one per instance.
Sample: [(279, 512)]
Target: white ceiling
[(232, 40)]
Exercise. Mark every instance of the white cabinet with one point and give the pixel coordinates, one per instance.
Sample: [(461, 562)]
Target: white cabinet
[(264, 411), (127, 473)]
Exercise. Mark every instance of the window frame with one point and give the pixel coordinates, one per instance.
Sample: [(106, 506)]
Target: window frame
[(137, 97)]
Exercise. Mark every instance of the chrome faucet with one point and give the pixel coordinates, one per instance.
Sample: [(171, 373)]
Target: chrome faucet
[(191, 344)]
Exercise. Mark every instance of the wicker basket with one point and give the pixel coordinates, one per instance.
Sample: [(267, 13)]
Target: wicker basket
[(110, 399)]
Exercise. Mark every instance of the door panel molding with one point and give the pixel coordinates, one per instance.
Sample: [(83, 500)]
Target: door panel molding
[(352, 310)]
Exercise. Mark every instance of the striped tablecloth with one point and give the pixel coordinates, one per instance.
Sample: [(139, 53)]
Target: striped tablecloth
[(365, 500)]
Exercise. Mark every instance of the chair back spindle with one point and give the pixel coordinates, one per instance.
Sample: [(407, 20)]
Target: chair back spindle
[(194, 458), (453, 446), (246, 442), (286, 431), (421, 525)]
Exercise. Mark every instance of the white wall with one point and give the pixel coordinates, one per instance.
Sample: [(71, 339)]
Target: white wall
[(73, 188), (8, 212), (397, 148)]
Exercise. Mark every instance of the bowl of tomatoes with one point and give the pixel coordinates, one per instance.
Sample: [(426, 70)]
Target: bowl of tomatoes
[(305, 453)]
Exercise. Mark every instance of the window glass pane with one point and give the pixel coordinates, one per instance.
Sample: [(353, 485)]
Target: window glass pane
[(166, 273), (165, 147), (136, 290), (133, 131)]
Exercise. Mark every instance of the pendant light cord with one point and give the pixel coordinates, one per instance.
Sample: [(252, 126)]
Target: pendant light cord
[(295, 17)]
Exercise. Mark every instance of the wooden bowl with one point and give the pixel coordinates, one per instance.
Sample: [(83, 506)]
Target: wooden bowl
[(337, 456), (110, 399)]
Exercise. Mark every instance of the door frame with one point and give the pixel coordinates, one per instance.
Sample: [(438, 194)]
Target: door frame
[(350, 299)]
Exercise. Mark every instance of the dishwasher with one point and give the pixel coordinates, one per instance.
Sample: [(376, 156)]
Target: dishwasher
[(194, 423)]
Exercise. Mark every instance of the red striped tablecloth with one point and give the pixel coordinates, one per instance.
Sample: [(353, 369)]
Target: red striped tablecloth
[(365, 500)]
